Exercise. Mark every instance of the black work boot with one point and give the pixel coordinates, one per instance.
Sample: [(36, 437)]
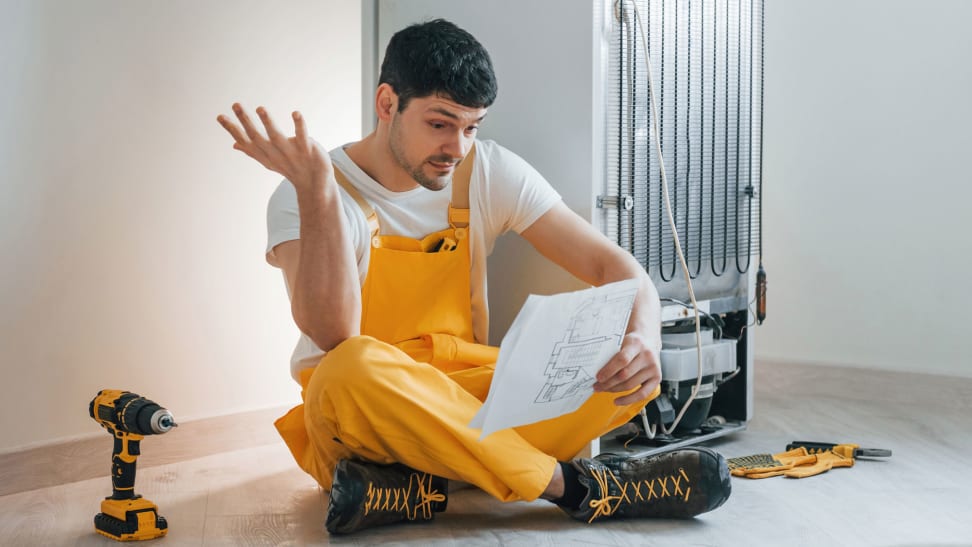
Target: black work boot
[(677, 484), (369, 494)]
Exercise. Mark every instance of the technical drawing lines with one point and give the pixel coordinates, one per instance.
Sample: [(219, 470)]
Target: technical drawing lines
[(595, 324)]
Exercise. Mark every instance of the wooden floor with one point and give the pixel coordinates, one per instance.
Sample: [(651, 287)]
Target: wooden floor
[(252, 494)]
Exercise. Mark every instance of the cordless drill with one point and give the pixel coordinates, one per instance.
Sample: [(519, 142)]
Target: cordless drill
[(126, 516)]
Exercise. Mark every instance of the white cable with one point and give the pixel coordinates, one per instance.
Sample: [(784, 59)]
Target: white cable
[(671, 223), (649, 428)]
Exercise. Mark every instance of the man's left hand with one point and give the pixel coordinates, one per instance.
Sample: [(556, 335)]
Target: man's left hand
[(635, 364)]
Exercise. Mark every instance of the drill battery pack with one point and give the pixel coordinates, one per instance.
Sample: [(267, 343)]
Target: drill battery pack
[(130, 520)]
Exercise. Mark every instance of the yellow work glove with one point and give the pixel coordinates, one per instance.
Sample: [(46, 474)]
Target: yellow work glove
[(761, 466), (797, 463)]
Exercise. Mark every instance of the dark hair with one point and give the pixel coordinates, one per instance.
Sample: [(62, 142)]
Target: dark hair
[(437, 57)]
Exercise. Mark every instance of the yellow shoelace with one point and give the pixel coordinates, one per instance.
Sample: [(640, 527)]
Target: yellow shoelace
[(632, 491), (397, 499)]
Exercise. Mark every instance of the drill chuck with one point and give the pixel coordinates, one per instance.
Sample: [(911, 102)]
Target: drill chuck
[(162, 421)]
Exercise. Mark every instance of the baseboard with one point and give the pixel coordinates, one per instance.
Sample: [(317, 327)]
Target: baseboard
[(87, 458)]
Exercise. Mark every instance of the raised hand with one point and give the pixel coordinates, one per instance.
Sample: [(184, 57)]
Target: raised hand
[(299, 158)]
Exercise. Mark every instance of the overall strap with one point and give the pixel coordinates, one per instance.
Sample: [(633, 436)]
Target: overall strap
[(459, 208), (366, 207)]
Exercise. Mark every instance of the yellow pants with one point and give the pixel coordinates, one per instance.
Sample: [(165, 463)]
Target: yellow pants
[(412, 404)]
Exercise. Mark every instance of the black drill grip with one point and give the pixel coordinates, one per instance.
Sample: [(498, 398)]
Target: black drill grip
[(123, 458)]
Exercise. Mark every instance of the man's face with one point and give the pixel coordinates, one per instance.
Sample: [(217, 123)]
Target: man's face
[(431, 136)]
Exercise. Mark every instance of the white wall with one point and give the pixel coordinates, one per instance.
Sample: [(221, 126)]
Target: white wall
[(866, 211), (131, 234)]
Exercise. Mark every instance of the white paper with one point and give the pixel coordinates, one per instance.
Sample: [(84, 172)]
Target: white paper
[(551, 353)]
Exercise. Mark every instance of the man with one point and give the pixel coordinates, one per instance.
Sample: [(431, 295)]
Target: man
[(383, 243)]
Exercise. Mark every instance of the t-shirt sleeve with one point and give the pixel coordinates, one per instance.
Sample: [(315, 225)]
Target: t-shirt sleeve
[(519, 194), (283, 221)]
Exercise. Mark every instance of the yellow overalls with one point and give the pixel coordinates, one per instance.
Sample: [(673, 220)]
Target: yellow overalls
[(405, 390)]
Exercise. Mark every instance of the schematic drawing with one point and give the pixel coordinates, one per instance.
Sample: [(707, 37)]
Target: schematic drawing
[(595, 323)]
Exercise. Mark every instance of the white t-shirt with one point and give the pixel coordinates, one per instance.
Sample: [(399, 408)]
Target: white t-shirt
[(505, 193)]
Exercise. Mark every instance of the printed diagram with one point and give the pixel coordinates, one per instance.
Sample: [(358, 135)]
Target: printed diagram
[(597, 326), (559, 341)]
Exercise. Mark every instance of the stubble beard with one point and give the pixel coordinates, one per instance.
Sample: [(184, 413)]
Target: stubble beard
[(415, 171)]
